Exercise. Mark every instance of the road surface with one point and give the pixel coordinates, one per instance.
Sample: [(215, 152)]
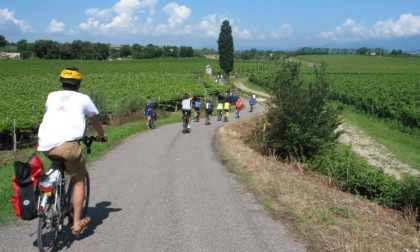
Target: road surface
[(163, 190)]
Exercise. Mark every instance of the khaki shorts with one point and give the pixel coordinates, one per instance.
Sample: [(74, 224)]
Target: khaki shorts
[(71, 151)]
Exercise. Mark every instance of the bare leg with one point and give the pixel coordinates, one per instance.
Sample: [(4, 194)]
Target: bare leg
[(78, 198)]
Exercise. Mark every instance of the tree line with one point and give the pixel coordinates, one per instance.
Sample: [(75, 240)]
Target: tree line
[(78, 49), (255, 54)]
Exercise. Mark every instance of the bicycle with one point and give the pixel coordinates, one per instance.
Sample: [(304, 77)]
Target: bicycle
[(226, 116), (185, 128), (237, 113), (219, 114), (251, 105), (208, 114), (55, 201), (152, 120), (197, 116)]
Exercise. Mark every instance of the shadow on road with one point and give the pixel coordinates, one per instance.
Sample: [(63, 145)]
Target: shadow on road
[(97, 215)]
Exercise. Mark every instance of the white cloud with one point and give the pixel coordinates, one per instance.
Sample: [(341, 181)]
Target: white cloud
[(406, 25), (126, 16), (122, 18), (55, 27), (244, 34), (97, 13), (349, 30), (209, 26), (90, 24), (285, 31), (122, 23), (8, 21), (177, 14), (130, 7)]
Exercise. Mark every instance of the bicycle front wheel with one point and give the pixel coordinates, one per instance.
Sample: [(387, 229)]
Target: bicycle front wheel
[(48, 232), (85, 199)]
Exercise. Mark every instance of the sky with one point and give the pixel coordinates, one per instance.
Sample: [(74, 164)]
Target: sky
[(260, 24)]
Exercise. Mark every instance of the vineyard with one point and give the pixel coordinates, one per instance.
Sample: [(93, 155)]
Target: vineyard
[(383, 87), (114, 86)]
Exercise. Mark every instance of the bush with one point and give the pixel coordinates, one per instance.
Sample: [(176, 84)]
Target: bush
[(302, 122)]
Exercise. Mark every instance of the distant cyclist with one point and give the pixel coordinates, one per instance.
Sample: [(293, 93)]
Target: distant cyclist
[(62, 125), (252, 102), (209, 111), (226, 108), (197, 105), (219, 111), (238, 107), (148, 111), (186, 106)]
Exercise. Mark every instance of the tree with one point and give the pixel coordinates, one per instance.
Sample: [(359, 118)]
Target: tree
[(3, 41), (21, 45), (125, 51), (186, 51), (137, 51), (226, 49), (362, 50), (46, 49), (170, 51)]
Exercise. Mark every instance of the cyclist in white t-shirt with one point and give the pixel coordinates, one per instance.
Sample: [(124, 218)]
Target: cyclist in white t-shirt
[(186, 106), (63, 123)]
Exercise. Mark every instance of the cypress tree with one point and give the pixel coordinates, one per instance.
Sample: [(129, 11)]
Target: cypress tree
[(225, 43)]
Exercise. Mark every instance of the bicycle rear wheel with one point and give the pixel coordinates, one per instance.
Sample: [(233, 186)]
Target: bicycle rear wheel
[(69, 201), (184, 123), (48, 232), (152, 123)]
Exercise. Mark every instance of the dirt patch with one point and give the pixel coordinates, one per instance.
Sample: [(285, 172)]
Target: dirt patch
[(375, 154)]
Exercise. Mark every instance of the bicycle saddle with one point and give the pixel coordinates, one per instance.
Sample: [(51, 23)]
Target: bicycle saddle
[(55, 158)]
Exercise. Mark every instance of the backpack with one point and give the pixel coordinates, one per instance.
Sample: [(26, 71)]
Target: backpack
[(25, 187)]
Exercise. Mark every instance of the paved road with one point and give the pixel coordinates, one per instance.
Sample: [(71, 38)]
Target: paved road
[(162, 190)]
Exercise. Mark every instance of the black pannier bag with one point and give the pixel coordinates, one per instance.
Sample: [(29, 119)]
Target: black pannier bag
[(25, 187)]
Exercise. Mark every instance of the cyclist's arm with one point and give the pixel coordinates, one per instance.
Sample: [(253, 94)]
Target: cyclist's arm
[(96, 124)]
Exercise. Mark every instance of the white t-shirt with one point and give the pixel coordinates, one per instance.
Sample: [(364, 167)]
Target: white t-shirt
[(64, 119), (186, 104)]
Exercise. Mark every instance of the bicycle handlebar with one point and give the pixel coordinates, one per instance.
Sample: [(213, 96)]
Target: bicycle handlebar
[(88, 140)]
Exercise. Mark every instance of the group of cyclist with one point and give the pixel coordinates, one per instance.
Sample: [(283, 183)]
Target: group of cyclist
[(187, 105), (223, 108), (64, 124)]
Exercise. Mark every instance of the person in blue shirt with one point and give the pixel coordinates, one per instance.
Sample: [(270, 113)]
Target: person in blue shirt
[(197, 105), (148, 111), (252, 102), (209, 111)]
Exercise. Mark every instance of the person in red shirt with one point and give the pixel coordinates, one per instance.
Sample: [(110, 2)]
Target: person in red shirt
[(238, 107)]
